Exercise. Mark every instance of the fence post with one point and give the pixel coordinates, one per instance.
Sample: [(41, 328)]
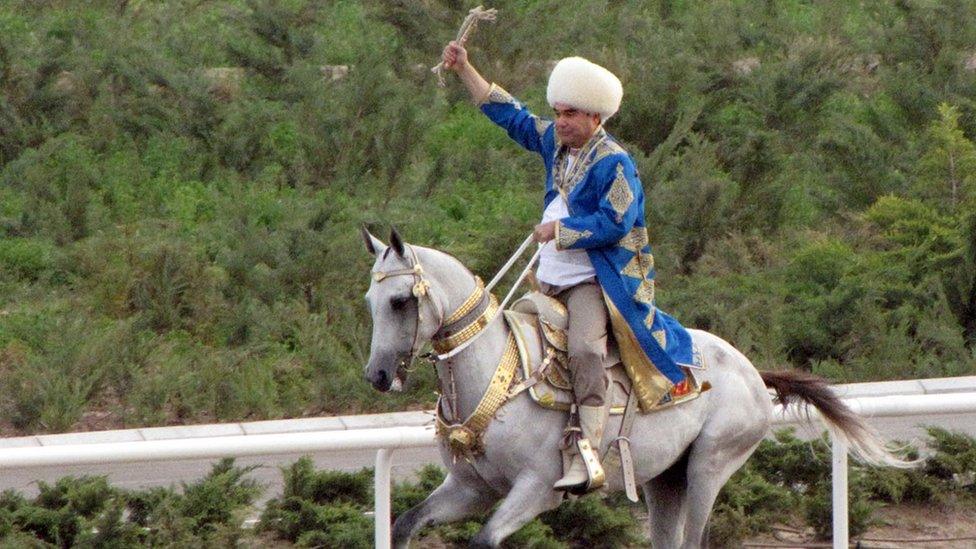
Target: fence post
[(381, 495), (839, 487)]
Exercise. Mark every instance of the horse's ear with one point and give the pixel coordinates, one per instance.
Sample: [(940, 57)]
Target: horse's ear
[(396, 241), (373, 244)]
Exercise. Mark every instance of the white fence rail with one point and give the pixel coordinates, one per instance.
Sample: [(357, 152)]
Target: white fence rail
[(386, 440)]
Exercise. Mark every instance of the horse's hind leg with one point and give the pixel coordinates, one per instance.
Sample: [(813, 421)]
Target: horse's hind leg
[(453, 500), (666, 496), (709, 468), (530, 496)]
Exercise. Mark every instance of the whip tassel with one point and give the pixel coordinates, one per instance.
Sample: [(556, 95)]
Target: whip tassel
[(470, 22)]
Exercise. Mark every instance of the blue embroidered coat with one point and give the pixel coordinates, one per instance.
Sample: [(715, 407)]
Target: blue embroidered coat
[(606, 206)]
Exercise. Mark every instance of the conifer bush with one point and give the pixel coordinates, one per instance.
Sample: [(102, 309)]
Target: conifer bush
[(321, 507), (88, 512)]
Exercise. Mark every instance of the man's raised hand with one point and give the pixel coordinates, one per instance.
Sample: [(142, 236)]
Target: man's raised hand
[(455, 57)]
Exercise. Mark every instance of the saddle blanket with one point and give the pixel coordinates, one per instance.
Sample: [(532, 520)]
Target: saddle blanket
[(539, 324)]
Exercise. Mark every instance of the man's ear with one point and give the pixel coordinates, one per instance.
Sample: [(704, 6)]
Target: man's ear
[(396, 242), (373, 244)]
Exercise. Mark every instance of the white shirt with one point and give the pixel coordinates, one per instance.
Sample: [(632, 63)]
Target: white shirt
[(562, 267)]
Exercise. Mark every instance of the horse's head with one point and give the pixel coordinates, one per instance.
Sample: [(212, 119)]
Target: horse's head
[(404, 313)]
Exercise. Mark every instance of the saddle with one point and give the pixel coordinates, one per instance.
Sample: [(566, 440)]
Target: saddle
[(539, 324)]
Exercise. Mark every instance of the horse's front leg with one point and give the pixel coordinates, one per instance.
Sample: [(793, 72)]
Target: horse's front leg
[(531, 495), (460, 496)]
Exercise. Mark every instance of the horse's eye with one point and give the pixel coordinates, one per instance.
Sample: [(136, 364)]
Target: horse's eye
[(398, 303)]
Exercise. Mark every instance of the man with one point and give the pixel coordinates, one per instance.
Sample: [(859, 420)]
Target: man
[(596, 258)]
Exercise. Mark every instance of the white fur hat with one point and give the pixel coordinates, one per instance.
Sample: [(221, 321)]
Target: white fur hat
[(585, 86)]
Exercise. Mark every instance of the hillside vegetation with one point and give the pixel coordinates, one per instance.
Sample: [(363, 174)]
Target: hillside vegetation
[(182, 182)]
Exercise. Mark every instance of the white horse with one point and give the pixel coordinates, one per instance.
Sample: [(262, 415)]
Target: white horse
[(683, 455)]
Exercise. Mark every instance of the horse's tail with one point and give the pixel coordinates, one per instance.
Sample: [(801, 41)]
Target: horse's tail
[(864, 442)]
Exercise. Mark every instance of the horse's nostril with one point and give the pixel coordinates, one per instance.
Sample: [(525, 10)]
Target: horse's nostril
[(381, 378)]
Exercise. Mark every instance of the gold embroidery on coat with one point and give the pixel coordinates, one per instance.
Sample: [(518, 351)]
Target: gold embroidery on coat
[(620, 195), (497, 94), (649, 319), (604, 148), (542, 125), (661, 338), (648, 382), (566, 237), (633, 267), (567, 181), (608, 147), (645, 292), (635, 239), (646, 263)]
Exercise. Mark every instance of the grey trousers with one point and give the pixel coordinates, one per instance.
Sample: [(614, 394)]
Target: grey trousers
[(588, 322)]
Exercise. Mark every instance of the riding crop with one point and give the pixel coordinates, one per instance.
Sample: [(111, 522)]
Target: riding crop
[(470, 23)]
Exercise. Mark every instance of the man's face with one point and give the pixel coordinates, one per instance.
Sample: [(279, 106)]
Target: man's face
[(574, 127)]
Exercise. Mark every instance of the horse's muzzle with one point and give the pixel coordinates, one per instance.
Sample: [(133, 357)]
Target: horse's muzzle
[(379, 379)]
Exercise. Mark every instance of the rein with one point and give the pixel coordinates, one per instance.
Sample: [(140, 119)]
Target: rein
[(508, 297)]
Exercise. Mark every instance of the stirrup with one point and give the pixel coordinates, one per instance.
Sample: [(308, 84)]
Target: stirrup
[(596, 477), (585, 458)]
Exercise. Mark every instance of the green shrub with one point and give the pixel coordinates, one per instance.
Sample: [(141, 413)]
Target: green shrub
[(299, 520), (590, 522), (408, 494), (209, 511), (26, 259), (172, 288), (319, 508), (304, 482), (819, 510), (749, 504), (953, 464), (59, 178), (535, 535), (110, 530), (218, 499)]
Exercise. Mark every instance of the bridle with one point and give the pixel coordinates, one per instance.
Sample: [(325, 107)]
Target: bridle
[(447, 345), (421, 289)]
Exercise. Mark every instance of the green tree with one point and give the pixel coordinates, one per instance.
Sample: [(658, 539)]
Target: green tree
[(948, 167)]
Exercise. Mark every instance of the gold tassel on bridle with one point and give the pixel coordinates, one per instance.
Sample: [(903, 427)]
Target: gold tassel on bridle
[(470, 22)]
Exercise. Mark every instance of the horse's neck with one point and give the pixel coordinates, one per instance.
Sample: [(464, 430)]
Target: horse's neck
[(472, 369), (465, 376)]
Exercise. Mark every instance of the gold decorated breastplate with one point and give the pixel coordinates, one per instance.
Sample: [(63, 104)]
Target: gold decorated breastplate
[(467, 321), (465, 439)]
